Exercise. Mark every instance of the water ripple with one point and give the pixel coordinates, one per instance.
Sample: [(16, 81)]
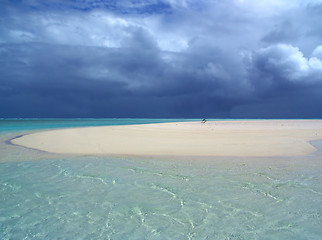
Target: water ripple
[(114, 199)]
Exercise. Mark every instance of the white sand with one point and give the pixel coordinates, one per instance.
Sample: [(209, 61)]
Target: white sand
[(223, 138)]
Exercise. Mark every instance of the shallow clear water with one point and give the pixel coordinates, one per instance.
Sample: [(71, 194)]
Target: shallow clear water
[(66, 197)]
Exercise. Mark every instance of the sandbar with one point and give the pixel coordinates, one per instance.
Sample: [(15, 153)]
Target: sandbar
[(261, 138)]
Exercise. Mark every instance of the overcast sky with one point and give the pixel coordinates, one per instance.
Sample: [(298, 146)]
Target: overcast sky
[(161, 58)]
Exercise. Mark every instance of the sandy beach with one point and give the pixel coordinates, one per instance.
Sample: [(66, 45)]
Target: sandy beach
[(214, 138)]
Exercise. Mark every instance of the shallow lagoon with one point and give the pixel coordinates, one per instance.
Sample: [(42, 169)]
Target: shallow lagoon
[(69, 197)]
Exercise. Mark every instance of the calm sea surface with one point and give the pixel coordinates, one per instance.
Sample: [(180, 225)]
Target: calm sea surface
[(48, 196)]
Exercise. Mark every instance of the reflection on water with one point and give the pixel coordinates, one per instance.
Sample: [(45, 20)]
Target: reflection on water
[(104, 198)]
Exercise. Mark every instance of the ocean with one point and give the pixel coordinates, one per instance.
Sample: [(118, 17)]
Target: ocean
[(50, 196)]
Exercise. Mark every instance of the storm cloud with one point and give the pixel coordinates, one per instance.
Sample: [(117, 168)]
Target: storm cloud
[(171, 58)]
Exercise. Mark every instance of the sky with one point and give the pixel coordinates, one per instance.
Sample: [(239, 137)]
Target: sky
[(161, 58)]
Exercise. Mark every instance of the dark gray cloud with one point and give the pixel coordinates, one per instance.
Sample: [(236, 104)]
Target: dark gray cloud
[(171, 58)]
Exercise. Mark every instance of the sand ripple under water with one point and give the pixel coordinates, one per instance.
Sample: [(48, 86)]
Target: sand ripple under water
[(105, 198)]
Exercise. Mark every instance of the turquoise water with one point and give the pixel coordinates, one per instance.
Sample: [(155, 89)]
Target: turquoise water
[(10, 125), (68, 197)]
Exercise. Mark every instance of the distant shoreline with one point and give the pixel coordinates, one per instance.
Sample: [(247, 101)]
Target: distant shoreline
[(253, 138)]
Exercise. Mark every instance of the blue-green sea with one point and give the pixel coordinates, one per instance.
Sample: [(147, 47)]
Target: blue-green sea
[(50, 196)]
